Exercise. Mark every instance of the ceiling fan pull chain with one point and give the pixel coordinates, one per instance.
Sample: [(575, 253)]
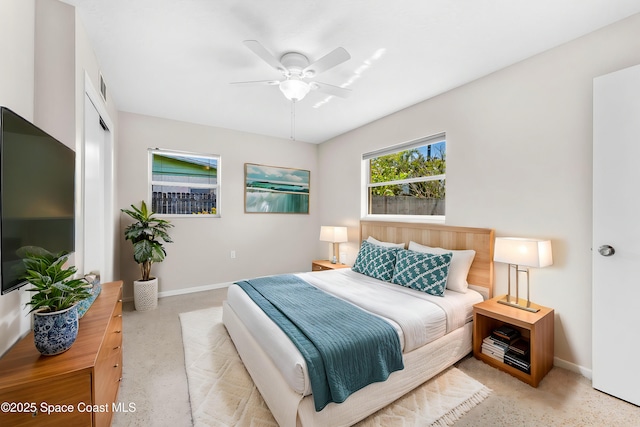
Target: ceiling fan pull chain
[(293, 120)]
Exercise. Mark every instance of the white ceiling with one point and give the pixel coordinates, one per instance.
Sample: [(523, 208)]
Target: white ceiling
[(176, 58)]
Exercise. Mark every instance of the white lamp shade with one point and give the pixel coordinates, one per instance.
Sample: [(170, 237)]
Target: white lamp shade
[(525, 252), (294, 90), (333, 234)]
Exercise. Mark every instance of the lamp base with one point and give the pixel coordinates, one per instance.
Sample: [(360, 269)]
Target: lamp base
[(517, 305), (336, 249)]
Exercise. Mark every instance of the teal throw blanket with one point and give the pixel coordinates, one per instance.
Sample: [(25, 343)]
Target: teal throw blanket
[(345, 348)]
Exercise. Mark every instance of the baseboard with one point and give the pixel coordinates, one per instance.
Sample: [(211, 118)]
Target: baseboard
[(572, 367), (193, 289), (186, 291)]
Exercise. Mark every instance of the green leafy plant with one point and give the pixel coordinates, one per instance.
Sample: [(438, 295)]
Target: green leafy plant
[(147, 234), (409, 164), (53, 286)]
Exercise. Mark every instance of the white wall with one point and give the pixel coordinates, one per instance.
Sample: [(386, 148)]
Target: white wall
[(17, 47), (519, 161), (17, 35), (54, 70), (45, 54), (200, 255)]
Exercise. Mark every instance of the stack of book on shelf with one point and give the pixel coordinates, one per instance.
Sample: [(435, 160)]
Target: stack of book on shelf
[(506, 345), (494, 348), (518, 356)]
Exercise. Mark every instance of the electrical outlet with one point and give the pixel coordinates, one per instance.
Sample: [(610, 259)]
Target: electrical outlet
[(233, 254)]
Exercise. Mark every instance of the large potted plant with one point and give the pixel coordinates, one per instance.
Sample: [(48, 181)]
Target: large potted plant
[(54, 300), (147, 234)]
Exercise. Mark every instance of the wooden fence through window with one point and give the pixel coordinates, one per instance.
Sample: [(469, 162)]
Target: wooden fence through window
[(183, 203), (404, 205)]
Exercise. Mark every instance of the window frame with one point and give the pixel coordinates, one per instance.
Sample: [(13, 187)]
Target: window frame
[(217, 186), (366, 185)]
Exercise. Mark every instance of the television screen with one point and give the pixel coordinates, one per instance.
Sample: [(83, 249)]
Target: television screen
[(37, 191)]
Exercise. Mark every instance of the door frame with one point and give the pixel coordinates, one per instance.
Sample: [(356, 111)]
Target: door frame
[(109, 180)]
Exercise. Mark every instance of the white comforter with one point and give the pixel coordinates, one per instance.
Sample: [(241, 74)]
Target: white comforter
[(419, 318)]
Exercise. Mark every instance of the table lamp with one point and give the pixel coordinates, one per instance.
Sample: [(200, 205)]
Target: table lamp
[(518, 253), (335, 235)]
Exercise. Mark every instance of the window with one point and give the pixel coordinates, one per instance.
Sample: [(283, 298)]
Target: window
[(184, 183), (407, 179)]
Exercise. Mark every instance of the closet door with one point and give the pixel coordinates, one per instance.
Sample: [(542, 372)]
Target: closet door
[(98, 212), (616, 233)]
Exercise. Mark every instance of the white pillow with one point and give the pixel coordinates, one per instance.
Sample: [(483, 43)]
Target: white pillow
[(459, 268), (385, 244)]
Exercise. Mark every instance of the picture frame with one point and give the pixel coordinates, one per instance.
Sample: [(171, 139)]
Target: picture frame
[(274, 189)]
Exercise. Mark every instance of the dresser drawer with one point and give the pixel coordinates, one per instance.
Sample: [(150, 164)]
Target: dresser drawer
[(108, 373), (113, 336), (113, 333), (71, 393)]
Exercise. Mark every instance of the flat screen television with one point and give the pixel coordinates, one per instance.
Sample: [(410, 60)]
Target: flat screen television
[(37, 189)]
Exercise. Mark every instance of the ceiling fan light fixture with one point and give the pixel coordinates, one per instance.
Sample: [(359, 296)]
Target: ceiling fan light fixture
[(294, 90)]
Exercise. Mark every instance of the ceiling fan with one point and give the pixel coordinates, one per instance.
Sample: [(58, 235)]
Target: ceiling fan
[(297, 70)]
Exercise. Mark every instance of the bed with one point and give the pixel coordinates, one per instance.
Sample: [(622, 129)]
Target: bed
[(279, 371)]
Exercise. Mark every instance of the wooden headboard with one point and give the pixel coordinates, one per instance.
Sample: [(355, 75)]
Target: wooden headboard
[(443, 236)]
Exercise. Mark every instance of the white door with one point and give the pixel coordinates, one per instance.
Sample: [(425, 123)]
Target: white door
[(97, 241), (616, 233)]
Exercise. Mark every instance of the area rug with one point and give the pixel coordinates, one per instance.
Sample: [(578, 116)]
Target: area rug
[(222, 393)]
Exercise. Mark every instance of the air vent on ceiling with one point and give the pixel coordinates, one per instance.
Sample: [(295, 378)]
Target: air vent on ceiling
[(103, 88)]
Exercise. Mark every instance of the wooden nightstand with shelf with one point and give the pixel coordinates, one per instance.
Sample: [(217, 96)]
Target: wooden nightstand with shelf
[(537, 328), (321, 264)]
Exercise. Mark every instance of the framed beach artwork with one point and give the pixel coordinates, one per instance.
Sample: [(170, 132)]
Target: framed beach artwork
[(272, 189)]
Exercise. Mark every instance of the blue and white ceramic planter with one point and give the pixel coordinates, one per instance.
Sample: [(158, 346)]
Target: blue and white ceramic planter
[(53, 333)]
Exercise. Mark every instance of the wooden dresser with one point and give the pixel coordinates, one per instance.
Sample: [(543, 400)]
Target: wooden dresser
[(78, 387)]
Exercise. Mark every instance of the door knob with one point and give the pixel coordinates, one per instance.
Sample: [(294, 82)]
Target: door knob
[(606, 250)]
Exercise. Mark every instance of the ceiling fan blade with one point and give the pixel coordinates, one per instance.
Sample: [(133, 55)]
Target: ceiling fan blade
[(257, 83), (330, 89), (263, 53), (330, 60)]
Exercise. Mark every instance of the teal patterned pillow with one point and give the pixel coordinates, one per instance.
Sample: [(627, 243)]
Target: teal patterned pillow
[(376, 261), (423, 272)]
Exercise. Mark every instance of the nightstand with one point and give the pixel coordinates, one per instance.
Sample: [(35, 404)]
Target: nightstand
[(536, 328), (321, 264)]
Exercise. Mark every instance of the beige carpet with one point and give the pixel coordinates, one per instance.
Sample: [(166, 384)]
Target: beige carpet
[(221, 392)]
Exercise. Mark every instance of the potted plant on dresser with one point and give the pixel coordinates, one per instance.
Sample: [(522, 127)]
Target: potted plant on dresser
[(55, 299), (147, 234)]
